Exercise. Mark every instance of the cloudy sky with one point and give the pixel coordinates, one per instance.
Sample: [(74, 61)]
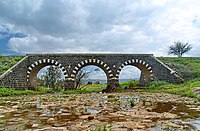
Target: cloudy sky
[(98, 26)]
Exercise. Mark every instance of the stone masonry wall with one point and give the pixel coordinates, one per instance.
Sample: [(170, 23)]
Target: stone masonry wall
[(20, 76)]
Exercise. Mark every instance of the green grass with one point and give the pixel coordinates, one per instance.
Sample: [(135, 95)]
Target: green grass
[(94, 87), (182, 89), (128, 84), (7, 62), (187, 67), (43, 90), (11, 92), (87, 89)]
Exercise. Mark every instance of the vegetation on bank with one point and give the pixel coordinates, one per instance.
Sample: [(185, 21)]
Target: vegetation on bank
[(187, 67), (185, 89), (8, 61), (153, 87), (44, 90)]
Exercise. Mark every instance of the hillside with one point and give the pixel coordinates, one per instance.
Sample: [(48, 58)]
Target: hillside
[(187, 67), (8, 61)]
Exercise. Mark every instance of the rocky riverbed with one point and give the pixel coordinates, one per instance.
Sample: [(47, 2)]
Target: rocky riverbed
[(113, 111)]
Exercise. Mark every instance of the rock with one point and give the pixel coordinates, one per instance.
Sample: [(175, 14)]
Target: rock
[(65, 111), (173, 125), (51, 119), (147, 121), (2, 107), (79, 127), (87, 117), (90, 117), (15, 107), (132, 125), (35, 125), (43, 115), (52, 129), (167, 115)]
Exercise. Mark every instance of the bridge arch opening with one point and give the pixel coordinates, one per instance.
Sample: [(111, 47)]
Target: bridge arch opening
[(146, 73), (51, 76), (103, 67), (129, 76), (91, 77), (40, 65)]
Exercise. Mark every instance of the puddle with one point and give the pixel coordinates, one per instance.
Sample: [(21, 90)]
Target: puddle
[(93, 111), (196, 123), (179, 109), (104, 97), (128, 102)]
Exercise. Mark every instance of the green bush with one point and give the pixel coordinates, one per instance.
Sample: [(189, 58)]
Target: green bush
[(154, 84), (10, 92), (42, 89), (129, 83)]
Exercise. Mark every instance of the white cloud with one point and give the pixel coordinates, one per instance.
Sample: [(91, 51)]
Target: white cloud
[(130, 72), (117, 26)]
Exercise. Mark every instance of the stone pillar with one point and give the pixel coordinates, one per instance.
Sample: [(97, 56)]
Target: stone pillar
[(141, 82), (113, 82), (112, 85), (69, 84)]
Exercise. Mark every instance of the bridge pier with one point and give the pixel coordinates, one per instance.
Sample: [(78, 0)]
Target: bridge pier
[(112, 85), (69, 84), (141, 81), (113, 82)]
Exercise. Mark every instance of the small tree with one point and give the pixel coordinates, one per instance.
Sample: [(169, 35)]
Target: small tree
[(83, 74), (51, 77), (179, 48)]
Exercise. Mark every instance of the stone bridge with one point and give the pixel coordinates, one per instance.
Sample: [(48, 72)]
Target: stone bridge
[(23, 75)]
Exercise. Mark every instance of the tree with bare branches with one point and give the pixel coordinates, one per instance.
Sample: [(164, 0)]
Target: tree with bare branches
[(83, 74), (179, 48)]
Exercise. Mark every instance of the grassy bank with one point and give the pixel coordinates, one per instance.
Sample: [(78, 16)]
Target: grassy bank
[(44, 90), (7, 62), (187, 67), (185, 89)]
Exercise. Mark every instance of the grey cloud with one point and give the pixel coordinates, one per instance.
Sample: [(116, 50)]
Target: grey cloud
[(120, 26)]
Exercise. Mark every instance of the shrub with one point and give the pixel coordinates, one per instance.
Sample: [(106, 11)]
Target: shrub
[(9, 92), (42, 89), (154, 84)]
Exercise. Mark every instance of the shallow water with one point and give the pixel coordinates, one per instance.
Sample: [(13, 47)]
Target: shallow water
[(93, 111), (196, 123), (179, 109)]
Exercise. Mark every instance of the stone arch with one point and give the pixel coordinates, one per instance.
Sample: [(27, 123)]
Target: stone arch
[(145, 68), (35, 67), (96, 62)]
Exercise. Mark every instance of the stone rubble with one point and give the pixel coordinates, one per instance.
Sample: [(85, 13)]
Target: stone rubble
[(114, 111)]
